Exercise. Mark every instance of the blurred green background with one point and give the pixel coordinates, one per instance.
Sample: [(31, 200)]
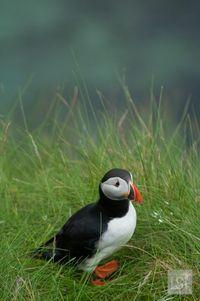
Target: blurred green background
[(144, 40)]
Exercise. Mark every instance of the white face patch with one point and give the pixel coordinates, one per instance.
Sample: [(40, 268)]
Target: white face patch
[(115, 188)]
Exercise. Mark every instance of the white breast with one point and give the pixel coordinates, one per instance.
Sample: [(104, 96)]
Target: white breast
[(118, 233)]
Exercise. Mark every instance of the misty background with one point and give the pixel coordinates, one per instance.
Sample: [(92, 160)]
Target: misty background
[(44, 44)]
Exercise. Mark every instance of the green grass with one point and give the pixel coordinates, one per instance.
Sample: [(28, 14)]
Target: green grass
[(49, 173)]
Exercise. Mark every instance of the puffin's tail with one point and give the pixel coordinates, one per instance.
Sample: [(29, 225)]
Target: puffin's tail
[(45, 252), (48, 251)]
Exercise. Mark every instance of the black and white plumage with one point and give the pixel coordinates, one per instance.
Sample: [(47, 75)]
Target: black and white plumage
[(98, 229)]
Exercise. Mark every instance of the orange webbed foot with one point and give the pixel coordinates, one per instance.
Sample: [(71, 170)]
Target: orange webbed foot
[(104, 271), (98, 282)]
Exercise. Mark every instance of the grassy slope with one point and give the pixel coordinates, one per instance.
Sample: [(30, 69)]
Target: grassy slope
[(42, 181)]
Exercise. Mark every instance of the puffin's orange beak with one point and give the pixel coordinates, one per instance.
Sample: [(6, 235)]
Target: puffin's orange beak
[(137, 195)]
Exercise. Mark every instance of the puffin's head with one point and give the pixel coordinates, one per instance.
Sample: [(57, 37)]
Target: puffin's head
[(117, 184)]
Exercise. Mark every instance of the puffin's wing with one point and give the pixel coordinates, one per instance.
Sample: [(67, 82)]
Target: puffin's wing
[(81, 232)]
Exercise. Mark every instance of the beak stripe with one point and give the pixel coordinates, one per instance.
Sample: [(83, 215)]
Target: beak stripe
[(138, 196)]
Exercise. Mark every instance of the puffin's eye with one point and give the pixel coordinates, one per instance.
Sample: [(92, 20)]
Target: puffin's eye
[(117, 184)]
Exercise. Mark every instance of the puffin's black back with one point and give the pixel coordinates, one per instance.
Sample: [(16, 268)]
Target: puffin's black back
[(78, 237)]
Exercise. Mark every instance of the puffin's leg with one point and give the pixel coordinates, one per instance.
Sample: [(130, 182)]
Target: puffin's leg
[(107, 269)]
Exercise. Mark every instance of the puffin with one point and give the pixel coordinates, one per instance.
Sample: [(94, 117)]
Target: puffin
[(97, 230)]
